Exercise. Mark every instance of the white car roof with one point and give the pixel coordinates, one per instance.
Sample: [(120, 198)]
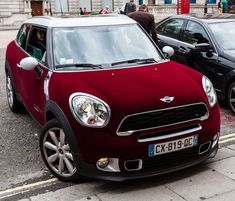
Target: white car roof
[(98, 20)]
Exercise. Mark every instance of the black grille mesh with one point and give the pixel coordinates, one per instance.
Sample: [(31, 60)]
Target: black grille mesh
[(163, 117)]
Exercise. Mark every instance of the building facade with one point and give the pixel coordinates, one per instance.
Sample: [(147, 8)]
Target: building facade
[(13, 12)]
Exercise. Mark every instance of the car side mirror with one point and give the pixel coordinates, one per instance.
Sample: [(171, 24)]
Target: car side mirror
[(203, 47), (30, 63), (168, 51)]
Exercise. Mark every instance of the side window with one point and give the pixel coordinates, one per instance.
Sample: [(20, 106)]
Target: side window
[(195, 34), (36, 46), (22, 35), (171, 28)]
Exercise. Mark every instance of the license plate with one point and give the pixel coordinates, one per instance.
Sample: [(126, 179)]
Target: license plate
[(171, 146)]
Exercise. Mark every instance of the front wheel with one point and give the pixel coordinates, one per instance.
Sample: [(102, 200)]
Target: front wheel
[(231, 97), (56, 152)]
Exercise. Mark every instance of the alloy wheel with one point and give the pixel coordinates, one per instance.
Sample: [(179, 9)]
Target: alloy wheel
[(10, 92), (231, 96), (57, 152)]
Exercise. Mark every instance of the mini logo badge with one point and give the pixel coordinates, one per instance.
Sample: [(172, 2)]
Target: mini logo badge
[(167, 99)]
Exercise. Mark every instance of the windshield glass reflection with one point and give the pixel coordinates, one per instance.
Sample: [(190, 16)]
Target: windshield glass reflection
[(101, 45), (224, 34)]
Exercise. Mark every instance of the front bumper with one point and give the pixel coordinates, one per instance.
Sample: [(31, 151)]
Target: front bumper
[(166, 163)]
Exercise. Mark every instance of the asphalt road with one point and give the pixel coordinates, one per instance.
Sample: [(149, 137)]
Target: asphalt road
[(20, 160)]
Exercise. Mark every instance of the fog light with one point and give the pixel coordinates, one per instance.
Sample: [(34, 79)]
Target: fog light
[(102, 162)]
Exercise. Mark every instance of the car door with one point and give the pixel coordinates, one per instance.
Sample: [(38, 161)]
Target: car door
[(193, 34), (169, 33), (30, 85), (204, 61)]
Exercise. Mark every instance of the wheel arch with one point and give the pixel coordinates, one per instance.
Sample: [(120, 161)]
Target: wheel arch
[(230, 78), (53, 111), (9, 71)]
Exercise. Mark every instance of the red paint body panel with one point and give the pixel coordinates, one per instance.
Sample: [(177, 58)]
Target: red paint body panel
[(29, 88), (128, 91)]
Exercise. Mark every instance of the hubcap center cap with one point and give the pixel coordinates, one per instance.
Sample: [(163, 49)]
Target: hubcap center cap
[(60, 151)]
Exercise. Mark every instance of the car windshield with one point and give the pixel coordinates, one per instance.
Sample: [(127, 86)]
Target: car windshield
[(102, 47), (224, 34)]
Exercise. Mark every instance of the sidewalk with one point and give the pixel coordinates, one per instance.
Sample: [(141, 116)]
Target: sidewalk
[(213, 181), (6, 37)]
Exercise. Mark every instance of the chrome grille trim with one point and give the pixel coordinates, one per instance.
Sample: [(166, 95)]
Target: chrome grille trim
[(199, 127), (130, 132)]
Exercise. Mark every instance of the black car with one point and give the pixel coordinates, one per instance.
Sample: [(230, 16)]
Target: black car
[(205, 43)]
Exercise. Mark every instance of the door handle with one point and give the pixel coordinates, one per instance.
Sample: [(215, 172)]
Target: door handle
[(182, 50)]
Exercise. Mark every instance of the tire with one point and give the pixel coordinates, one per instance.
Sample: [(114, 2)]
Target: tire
[(13, 103), (231, 97), (56, 152)]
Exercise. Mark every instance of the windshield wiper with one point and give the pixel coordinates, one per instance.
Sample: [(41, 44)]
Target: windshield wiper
[(80, 65), (139, 61)]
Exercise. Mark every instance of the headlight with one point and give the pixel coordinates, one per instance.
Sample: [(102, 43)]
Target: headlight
[(89, 110), (209, 90)]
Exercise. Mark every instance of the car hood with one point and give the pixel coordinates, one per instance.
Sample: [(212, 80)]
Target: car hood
[(132, 90), (230, 54)]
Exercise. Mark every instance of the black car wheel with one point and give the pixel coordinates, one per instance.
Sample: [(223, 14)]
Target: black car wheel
[(13, 103), (56, 152), (231, 96)]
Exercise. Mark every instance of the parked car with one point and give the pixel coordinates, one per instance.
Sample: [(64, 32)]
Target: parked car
[(207, 44), (112, 106)]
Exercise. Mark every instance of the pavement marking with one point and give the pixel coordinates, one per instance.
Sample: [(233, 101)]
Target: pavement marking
[(227, 136), (227, 140), (26, 187)]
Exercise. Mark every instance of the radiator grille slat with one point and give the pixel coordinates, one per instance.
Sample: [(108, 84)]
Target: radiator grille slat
[(163, 117)]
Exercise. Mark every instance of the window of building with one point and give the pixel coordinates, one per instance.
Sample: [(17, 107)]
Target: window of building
[(211, 1), (193, 1), (151, 2), (61, 6), (168, 1)]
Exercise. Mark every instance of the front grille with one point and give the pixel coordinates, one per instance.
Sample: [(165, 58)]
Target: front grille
[(163, 117)]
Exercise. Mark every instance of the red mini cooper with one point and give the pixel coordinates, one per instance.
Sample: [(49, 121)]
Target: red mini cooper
[(112, 105)]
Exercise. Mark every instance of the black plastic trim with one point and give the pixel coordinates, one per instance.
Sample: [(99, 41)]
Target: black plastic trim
[(8, 69), (91, 171), (54, 108)]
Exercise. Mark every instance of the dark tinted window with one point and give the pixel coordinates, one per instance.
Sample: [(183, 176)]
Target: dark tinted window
[(195, 34), (36, 46), (171, 28), (22, 35)]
